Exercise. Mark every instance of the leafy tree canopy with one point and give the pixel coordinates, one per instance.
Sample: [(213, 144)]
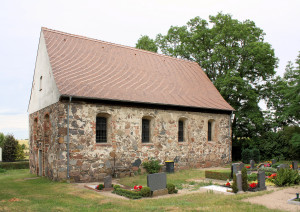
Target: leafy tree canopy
[(235, 57), (146, 43), (282, 95)]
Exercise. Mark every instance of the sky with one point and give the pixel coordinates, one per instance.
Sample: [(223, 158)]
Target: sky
[(122, 22)]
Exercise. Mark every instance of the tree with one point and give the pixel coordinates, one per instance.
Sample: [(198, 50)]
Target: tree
[(2, 137), (146, 43), (234, 56), (10, 146), (282, 95)]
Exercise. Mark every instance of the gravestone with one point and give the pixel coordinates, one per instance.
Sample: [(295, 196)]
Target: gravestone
[(137, 162), (234, 169), (176, 159), (283, 166), (252, 163), (295, 165), (157, 183), (0, 154), (107, 181), (261, 180), (274, 161), (239, 181), (241, 166)]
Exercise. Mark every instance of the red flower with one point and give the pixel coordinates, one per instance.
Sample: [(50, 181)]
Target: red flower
[(228, 184), (253, 185), (248, 167), (140, 187), (273, 176), (135, 187)]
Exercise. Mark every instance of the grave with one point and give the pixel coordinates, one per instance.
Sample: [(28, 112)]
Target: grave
[(283, 166), (157, 183), (239, 181), (107, 181), (252, 163), (234, 169), (295, 165), (261, 180), (274, 161)]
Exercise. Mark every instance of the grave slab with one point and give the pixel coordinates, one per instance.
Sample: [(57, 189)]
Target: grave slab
[(261, 180), (107, 181), (295, 165), (157, 181)]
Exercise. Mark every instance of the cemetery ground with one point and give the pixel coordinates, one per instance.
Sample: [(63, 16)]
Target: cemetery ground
[(21, 191)]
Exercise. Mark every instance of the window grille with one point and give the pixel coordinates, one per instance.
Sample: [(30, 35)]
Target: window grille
[(180, 131), (209, 131), (145, 130), (101, 130)]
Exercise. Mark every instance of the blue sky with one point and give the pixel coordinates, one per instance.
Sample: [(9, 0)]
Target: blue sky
[(122, 22)]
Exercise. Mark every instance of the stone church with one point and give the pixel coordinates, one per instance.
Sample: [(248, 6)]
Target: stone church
[(99, 108)]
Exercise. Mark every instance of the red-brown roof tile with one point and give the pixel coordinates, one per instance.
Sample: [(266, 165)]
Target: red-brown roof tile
[(90, 68)]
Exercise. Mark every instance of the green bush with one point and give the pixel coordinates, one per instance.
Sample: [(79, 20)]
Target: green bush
[(2, 170), (152, 166), (10, 145), (286, 177), (15, 165), (275, 165), (20, 155), (268, 173), (247, 155), (145, 192), (218, 175), (171, 188), (252, 177), (256, 155), (127, 193), (234, 185), (268, 169), (116, 187), (244, 179)]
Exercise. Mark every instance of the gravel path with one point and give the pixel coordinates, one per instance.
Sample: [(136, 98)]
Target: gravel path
[(278, 199)]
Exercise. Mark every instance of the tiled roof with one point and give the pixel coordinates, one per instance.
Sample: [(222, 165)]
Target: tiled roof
[(85, 67)]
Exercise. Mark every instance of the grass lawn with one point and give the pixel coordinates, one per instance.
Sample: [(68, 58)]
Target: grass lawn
[(44, 195), (177, 178)]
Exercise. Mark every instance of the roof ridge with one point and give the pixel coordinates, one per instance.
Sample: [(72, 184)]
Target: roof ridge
[(114, 44)]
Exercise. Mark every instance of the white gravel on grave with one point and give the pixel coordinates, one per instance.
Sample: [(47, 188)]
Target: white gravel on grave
[(217, 188)]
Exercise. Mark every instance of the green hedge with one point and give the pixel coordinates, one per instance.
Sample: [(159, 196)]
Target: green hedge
[(15, 165), (127, 193), (218, 175)]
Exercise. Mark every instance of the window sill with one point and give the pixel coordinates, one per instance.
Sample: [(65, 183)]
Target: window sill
[(147, 144)]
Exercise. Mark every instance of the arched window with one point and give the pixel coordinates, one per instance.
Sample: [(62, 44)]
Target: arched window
[(180, 131), (145, 130), (35, 129), (210, 130), (101, 129)]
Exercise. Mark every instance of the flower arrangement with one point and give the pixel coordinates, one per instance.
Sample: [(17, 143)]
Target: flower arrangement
[(227, 184), (253, 185), (137, 188), (267, 165), (100, 187)]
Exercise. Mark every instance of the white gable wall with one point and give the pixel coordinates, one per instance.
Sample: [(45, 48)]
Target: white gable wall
[(49, 93)]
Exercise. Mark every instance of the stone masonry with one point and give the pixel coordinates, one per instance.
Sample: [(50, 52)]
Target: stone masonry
[(91, 161)]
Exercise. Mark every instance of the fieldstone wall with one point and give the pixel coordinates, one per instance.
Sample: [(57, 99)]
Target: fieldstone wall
[(91, 161)]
